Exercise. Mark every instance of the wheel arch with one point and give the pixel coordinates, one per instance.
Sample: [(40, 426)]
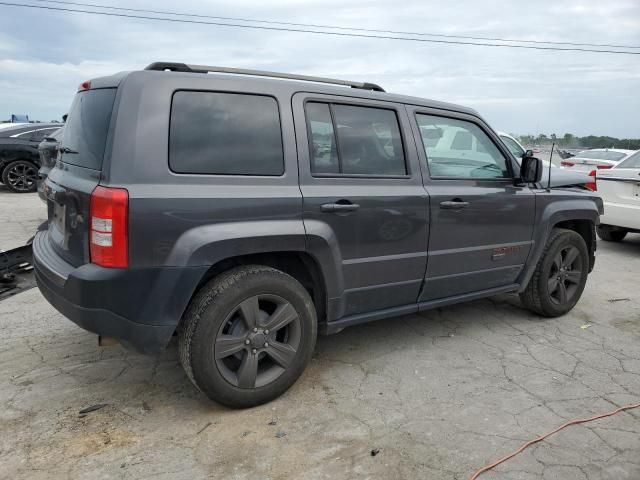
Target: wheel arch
[(299, 264), (578, 214), (587, 230)]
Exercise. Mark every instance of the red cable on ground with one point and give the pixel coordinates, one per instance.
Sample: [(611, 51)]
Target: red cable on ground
[(542, 437)]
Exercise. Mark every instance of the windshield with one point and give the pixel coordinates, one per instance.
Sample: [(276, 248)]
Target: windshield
[(85, 133), (513, 146), (601, 155)]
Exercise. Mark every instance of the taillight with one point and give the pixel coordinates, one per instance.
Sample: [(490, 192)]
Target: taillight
[(592, 185), (86, 85), (604, 167), (564, 163), (108, 232)]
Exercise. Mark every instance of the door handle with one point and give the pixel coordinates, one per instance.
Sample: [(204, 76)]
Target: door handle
[(454, 205), (339, 207)]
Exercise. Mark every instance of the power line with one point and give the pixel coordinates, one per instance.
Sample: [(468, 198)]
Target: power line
[(335, 27), (317, 32)]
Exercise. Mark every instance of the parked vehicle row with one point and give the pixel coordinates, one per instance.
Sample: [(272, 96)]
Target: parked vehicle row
[(248, 212), (557, 177), (19, 158), (599, 158)]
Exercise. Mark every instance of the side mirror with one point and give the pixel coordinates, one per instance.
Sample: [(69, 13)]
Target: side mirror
[(528, 153), (531, 170)]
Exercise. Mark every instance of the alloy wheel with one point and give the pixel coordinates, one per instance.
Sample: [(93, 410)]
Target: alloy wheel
[(565, 275), (257, 341), (22, 177)]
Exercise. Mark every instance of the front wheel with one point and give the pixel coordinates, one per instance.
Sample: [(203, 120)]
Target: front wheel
[(560, 276), (611, 234), (248, 335), (20, 176)]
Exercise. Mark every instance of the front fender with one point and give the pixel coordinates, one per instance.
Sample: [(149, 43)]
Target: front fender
[(550, 211)]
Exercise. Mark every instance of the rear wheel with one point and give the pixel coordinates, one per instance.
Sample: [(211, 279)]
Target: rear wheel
[(20, 176), (560, 276), (248, 335), (610, 234)]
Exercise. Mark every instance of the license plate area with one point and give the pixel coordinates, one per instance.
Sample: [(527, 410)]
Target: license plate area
[(59, 215)]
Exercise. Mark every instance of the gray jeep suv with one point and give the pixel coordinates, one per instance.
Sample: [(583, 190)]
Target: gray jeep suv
[(246, 213)]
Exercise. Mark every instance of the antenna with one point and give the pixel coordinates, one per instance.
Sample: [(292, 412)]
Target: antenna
[(550, 157)]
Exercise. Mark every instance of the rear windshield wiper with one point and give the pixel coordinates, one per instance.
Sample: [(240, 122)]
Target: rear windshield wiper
[(66, 150)]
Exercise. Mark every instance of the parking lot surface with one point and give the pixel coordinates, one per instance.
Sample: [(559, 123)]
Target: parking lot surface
[(433, 396)]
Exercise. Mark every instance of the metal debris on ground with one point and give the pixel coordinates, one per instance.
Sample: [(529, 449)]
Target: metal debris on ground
[(584, 327), (280, 434), (613, 300), (375, 452), (204, 428), (92, 408)]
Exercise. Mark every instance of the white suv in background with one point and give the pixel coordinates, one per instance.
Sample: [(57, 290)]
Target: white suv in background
[(619, 188)]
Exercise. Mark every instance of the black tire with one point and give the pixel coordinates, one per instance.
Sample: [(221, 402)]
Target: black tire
[(555, 274), (611, 234), (21, 176), (218, 314)]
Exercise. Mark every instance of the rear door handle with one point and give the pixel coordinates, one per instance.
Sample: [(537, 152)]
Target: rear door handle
[(454, 205), (339, 207)]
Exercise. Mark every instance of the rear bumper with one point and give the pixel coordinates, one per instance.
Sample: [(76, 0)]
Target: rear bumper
[(140, 307), (621, 215)]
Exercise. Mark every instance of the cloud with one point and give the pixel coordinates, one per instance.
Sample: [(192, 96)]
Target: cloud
[(517, 90)]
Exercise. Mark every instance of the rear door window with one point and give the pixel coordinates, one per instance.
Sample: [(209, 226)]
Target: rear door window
[(354, 140), (225, 134), (85, 133)]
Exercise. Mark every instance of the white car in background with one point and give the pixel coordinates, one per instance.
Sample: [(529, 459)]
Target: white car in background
[(597, 158), (619, 188), (559, 176)]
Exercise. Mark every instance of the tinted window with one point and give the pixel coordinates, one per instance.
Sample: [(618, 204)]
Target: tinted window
[(456, 148), (513, 147), (87, 126), (632, 162), (226, 134), (368, 140), (322, 140)]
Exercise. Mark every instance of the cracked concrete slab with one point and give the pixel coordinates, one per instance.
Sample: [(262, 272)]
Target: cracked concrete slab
[(439, 394)]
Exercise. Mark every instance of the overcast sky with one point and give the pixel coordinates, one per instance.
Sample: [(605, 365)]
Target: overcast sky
[(44, 54)]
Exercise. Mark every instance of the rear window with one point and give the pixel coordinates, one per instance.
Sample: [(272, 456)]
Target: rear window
[(632, 162), (601, 155), (225, 134), (85, 132)]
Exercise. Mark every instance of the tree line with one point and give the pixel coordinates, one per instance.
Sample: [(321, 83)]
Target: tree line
[(569, 140)]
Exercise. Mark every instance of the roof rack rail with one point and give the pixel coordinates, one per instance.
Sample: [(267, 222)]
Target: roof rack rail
[(183, 67)]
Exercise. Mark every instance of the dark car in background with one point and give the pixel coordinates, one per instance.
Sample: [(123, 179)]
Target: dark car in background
[(48, 151), (19, 159)]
